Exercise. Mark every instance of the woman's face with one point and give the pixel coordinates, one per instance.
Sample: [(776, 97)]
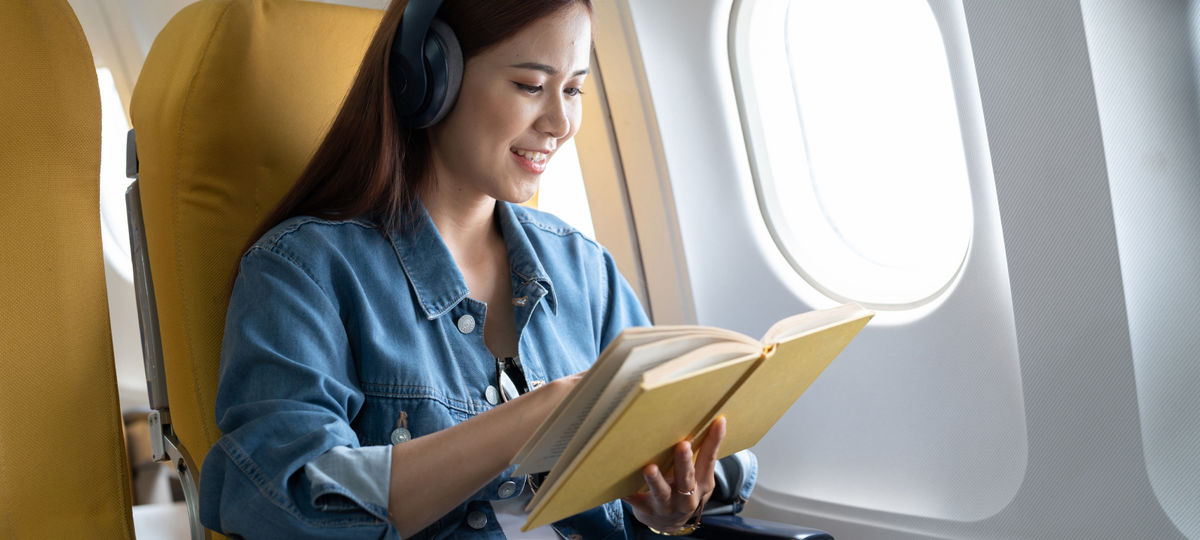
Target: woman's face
[(519, 103)]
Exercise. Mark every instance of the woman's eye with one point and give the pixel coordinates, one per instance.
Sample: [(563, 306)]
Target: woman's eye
[(573, 92), (527, 88)]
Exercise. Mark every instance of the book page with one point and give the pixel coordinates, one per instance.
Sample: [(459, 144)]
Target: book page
[(797, 325), (696, 361), (587, 406)]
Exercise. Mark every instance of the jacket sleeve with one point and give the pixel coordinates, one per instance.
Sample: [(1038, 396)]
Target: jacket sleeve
[(288, 389), (622, 308)]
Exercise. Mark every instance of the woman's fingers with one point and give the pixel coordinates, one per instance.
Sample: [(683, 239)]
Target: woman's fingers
[(670, 503), (685, 472), (660, 490), (706, 459)]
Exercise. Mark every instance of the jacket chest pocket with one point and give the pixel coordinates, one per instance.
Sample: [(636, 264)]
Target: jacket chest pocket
[(401, 414)]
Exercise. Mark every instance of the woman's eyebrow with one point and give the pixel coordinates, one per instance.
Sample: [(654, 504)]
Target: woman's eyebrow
[(547, 69)]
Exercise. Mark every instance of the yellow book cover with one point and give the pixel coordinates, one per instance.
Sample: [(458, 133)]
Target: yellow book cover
[(682, 378)]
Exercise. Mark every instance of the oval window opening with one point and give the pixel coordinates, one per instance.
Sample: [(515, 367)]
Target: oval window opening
[(866, 187)]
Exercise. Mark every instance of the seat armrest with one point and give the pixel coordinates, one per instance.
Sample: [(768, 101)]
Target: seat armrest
[(740, 528)]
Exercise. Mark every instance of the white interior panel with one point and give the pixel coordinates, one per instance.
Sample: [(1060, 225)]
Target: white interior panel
[(1143, 60)]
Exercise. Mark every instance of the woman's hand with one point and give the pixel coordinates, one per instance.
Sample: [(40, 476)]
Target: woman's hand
[(671, 502)]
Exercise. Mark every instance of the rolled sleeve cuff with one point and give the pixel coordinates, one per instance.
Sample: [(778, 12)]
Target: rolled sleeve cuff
[(750, 462), (347, 478)]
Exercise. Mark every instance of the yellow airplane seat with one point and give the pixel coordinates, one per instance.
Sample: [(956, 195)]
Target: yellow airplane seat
[(232, 100), (63, 468)]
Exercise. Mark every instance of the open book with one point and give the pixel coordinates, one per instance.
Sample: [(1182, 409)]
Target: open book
[(655, 386)]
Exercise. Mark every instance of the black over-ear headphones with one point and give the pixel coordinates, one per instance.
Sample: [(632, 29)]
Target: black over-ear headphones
[(425, 68)]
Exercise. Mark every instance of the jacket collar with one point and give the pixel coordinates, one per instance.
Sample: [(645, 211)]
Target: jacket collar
[(435, 277), (529, 277)]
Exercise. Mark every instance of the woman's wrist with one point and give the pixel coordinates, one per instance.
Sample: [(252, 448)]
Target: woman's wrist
[(549, 395), (685, 529), (688, 526)]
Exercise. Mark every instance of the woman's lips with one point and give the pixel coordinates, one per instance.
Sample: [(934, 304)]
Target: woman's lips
[(533, 161)]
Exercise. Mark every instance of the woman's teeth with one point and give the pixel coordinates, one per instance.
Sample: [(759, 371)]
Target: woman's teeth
[(536, 157)]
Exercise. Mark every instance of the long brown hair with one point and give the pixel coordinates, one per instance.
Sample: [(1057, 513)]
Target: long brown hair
[(369, 164)]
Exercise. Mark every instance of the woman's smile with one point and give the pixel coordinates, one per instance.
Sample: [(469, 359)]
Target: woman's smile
[(533, 161)]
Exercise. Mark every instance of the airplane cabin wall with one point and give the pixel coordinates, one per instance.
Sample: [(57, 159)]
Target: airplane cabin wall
[(1144, 60), (740, 280), (895, 440)]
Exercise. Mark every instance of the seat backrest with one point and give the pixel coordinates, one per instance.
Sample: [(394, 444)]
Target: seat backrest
[(63, 468), (231, 102)]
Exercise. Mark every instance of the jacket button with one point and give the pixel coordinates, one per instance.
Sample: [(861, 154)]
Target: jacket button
[(492, 395), (506, 489), (476, 520), (400, 435), (466, 324)]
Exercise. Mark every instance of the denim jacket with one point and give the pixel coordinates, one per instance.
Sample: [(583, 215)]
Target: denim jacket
[(338, 335)]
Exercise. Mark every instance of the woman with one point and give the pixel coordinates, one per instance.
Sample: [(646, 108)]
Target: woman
[(395, 304)]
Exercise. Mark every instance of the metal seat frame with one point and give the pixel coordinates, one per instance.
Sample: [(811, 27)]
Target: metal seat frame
[(164, 444)]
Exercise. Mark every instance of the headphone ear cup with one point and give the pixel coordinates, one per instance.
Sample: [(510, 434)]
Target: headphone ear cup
[(444, 64)]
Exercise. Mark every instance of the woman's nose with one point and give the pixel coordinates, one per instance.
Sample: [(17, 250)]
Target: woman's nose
[(555, 121)]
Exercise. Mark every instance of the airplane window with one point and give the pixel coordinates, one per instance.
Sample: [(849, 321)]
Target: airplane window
[(860, 166), (562, 191)]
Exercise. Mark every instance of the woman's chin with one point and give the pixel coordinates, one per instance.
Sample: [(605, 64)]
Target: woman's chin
[(523, 194)]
